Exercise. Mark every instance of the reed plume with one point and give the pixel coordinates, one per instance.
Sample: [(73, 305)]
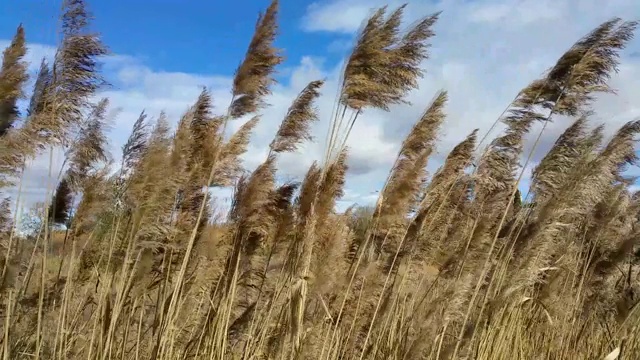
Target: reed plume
[(152, 186), (13, 76), (253, 78), (201, 132), (230, 167), (62, 202), (90, 148), (458, 159), (40, 89), (75, 77), (201, 117), (254, 227), (384, 66), (136, 144), (381, 69), (399, 196), (305, 217), (437, 212), (295, 126), (331, 188), (553, 168)]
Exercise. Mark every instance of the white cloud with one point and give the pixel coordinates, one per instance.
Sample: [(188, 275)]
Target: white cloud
[(336, 16), (484, 52)]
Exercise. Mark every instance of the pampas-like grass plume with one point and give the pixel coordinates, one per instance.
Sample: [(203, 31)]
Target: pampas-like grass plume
[(40, 89), (62, 203), (295, 126), (229, 167), (400, 194), (331, 187), (201, 116), (13, 76), (253, 77), (75, 75), (433, 217), (382, 68), (136, 143), (383, 65), (91, 146), (407, 173)]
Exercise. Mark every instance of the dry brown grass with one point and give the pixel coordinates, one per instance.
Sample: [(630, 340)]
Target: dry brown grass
[(452, 267)]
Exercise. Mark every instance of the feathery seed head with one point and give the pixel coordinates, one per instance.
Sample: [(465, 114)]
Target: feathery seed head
[(13, 76), (383, 66), (295, 126), (253, 78), (229, 164)]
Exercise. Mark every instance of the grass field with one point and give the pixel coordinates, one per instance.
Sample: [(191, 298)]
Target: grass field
[(457, 265)]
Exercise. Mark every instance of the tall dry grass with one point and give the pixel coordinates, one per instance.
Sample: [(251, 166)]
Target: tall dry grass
[(456, 266)]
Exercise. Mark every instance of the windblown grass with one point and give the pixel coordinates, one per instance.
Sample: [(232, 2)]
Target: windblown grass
[(456, 266)]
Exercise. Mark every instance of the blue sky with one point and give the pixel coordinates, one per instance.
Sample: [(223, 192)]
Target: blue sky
[(484, 52), (172, 35)]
